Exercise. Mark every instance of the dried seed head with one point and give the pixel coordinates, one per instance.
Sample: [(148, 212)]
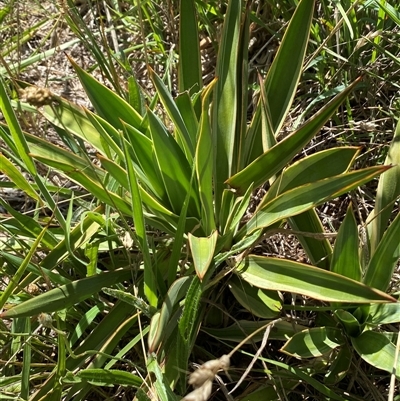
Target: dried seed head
[(201, 393), (208, 370), (45, 319), (200, 376), (36, 96)]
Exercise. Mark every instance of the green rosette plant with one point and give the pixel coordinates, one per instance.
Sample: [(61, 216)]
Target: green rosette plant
[(189, 173), (361, 328)]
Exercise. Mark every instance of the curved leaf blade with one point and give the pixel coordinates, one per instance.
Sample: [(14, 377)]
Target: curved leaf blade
[(306, 197), (376, 349), (66, 295), (380, 269), (314, 342), (287, 275), (346, 256), (276, 158)]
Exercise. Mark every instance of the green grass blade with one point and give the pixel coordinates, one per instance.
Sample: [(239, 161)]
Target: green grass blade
[(15, 130), (14, 281), (26, 367), (109, 377), (150, 281)]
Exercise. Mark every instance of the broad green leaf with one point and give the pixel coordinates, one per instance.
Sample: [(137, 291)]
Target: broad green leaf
[(320, 165), (306, 197), (238, 211), (387, 193), (380, 269), (202, 250), (62, 159), (189, 71), (135, 95), (346, 256), (17, 178), (67, 295), (243, 85), (283, 76), (74, 119), (109, 136), (174, 114), (238, 331), (188, 108), (179, 235), (384, 313), (376, 349), (174, 168), (176, 292), (314, 342), (143, 155), (115, 170), (285, 71), (107, 103), (287, 275), (16, 132), (204, 164), (276, 158), (224, 110), (351, 325), (262, 303)]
